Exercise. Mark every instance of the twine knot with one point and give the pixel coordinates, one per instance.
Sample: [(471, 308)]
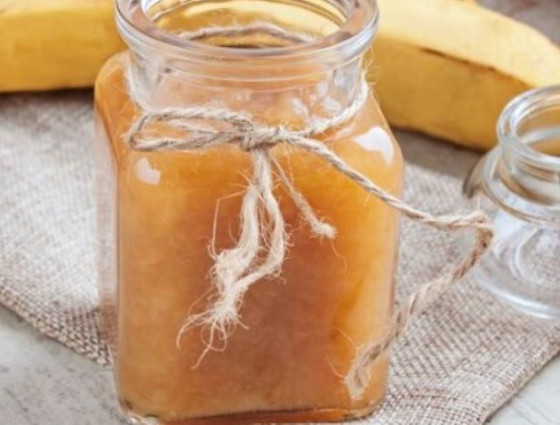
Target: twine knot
[(266, 137)]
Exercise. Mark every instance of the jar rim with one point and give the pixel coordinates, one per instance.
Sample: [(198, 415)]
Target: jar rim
[(516, 177), (350, 39), (513, 116)]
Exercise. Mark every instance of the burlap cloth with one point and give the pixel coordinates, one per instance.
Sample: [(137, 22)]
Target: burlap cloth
[(459, 362)]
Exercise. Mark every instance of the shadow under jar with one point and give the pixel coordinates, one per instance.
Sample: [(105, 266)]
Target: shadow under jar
[(159, 212)]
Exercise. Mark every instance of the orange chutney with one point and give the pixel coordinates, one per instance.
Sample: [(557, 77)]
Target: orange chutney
[(301, 329)]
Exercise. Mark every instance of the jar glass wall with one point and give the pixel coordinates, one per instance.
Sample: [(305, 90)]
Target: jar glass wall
[(519, 183), (160, 211)]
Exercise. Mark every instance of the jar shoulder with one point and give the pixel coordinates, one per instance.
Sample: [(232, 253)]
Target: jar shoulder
[(371, 134), (113, 108), (366, 142)]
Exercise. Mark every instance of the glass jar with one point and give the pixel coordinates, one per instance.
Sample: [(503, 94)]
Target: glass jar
[(519, 184), (160, 210)]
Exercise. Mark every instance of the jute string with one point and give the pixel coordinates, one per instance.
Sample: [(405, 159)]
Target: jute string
[(268, 28), (235, 270)]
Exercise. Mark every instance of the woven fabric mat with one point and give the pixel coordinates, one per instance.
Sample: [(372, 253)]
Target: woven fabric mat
[(459, 362)]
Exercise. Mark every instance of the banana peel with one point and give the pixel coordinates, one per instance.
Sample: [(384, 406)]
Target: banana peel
[(53, 44), (448, 68), (442, 67)]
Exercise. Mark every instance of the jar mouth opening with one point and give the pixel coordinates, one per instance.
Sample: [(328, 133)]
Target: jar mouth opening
[(352, 37), (516, 118)]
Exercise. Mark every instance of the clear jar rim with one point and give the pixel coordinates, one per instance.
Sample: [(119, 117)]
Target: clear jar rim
[(351, 39), (515, 113), (515, 176)]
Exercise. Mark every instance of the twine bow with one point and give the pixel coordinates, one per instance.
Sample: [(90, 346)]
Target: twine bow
[(235, 270)]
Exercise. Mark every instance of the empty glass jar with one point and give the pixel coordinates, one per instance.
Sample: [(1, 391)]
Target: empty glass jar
[(519, 184)]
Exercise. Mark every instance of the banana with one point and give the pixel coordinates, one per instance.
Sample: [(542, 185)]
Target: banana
[(447, 68), (51, 44), (442, 67)]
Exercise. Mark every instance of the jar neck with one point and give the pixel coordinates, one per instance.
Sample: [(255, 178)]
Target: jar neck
[(529, 136), (320, 66)]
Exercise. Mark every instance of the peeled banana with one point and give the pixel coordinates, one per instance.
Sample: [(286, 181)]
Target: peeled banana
[(442, 67)]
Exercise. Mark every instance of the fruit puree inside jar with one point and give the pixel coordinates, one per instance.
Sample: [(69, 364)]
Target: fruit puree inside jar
[(302, 328)]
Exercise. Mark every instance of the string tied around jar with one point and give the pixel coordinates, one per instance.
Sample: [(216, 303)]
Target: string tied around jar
[(262, 244)]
